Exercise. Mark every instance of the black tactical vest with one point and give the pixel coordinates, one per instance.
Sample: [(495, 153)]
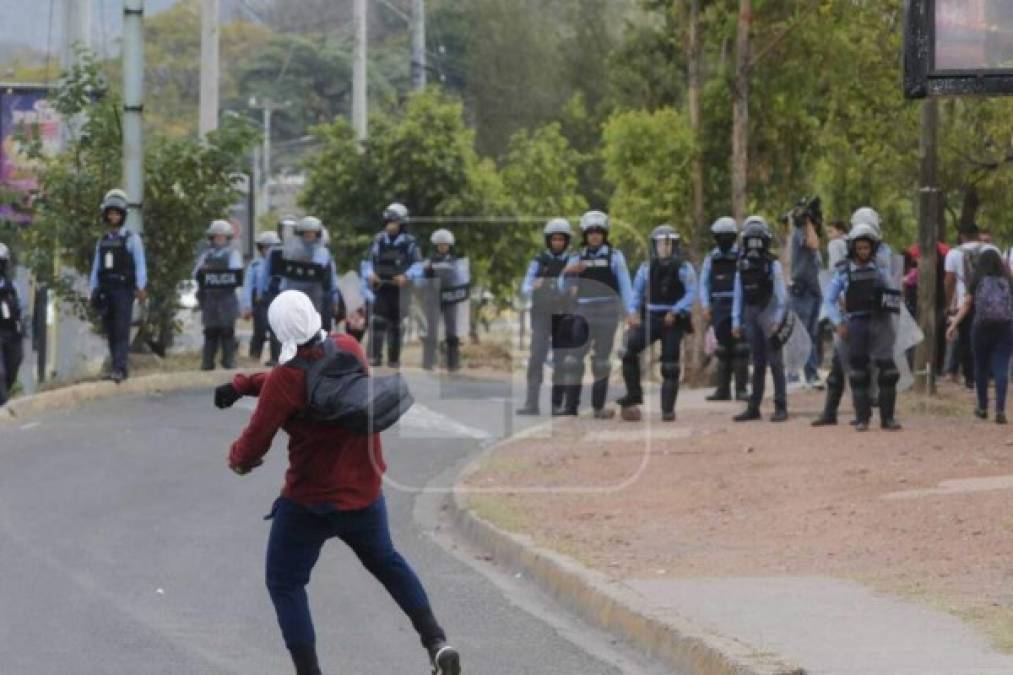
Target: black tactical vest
[(666, 288), (116, 263), (391, 260), (722, 274), (757, 276), (867, 294), (597, 278), (547, 298), (275, 262)]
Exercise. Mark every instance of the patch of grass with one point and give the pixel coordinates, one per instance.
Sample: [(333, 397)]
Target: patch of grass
[(934, 406), (498, 510)]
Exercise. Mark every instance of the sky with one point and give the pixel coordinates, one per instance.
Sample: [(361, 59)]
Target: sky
[(27, 22)]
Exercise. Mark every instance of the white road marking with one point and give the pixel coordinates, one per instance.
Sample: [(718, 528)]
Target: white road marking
[(957, 487)]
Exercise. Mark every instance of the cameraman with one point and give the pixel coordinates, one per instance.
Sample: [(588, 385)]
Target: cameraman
[(806, 222)]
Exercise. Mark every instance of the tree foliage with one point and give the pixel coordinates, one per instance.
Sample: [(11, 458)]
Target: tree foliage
[(188, 183)]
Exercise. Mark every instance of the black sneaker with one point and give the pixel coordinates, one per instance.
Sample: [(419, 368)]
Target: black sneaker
[(825, 420), (444, 659), (742, 395), (861, 425), (118, 376), (780, 415), (748, 415), (1000, 418), (628, 401), (564, 412), (668, 416), (720, 395), (604, 413), (981, 413)]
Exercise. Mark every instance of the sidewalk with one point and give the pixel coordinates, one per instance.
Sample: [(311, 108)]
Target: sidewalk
[(838, 552)]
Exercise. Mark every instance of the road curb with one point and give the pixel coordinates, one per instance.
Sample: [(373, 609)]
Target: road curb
[(609, 606), (67, 397)]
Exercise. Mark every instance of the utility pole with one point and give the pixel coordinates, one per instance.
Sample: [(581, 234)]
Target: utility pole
[(264, 157), (418, 44), (210, 11), (133, 111), (359, 90), (76, 30), (740, 113), (929, 214)]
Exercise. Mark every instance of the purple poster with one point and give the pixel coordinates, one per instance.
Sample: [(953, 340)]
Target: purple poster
[(23, 114)]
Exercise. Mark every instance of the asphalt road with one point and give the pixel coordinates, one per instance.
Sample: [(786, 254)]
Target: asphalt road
[(126, 546)]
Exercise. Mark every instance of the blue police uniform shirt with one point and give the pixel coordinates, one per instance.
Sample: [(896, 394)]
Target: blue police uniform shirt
[(251, 281), (619, 269), (134, 246), (705, 277), (683, 306), (780, 295)]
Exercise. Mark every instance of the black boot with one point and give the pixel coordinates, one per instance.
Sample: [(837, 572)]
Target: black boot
[(229, 350), (724, 390), (304, 658), (571, 402), (531, 402), (887, 399), (862, 398), (748, 415), (210, 349), (558, 392), (669, 390), (453, 354), (444, 659), (741, 367), (829, 415)]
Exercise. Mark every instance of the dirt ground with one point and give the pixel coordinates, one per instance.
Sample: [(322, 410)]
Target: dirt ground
[(707, 497)]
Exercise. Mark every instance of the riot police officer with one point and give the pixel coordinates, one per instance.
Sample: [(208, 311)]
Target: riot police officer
[(269, 284), (663, 294), (307, 266), (219, 272), (449, 286), (598, 280), (866, 330), (119, 273), (391, 256), (11, 327), (253, 298), (759, 304), (541, 286), (717, 290)]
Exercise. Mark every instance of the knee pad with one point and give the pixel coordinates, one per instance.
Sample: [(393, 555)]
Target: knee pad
[(889, 376), (601, 368), (860, 378), (670, 370)]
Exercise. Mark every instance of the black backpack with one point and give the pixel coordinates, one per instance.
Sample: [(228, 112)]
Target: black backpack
[(341, 393)]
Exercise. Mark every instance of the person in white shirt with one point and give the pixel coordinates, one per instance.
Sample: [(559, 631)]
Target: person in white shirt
[(959, 268)]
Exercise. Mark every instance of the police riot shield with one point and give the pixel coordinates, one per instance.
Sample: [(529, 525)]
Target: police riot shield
[(448, 294), (350, 287), (909, 335)]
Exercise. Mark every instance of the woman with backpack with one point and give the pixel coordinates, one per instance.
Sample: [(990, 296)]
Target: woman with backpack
[(990, 299), (332, 488)]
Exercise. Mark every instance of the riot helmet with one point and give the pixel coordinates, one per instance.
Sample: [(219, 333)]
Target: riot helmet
[(665, 234), (309, 224), (595, 221), (115, 200), (557, 226), (396, 213), (756, 237), (867, 216), (725, 231), (268, 239), (442, 236), (221, 228), (863, 232)]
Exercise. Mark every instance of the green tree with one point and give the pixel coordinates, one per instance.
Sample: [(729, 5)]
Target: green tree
[(648, 159), (188, 183)]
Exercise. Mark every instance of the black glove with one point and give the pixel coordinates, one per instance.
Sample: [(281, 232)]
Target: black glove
[(226, 395)]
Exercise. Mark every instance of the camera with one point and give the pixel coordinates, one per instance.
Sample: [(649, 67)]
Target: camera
[(811, 208)]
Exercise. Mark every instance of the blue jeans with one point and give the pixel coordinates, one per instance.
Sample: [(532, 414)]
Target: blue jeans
[(116, 322), (807, 306), (297, 536), (992, 347)]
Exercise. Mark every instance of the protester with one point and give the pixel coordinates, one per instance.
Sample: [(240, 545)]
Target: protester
[(988, 306), (959, 267), (332, 490)]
